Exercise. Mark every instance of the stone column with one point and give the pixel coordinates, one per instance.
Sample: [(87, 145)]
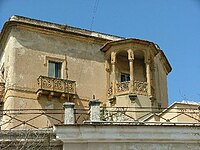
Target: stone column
[(69, 113), (107, 66), (94, 110), (131, 58), (148, 76), (113, 62)]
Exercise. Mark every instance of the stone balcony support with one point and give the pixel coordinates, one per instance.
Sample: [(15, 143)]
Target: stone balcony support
[(53, 87)]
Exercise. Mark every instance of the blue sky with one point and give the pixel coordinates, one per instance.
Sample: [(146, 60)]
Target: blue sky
[(173, 24)]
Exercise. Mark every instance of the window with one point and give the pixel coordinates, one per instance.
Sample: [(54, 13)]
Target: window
[(125, 77), (54, 69)]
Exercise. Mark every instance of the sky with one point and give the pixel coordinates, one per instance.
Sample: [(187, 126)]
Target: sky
[(172, 24)]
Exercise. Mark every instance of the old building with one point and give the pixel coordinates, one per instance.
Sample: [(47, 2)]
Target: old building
[(45, 65)]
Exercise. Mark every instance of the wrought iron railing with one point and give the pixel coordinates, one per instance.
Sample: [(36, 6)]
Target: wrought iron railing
[(47, 118), (57, 85), (38, 118), (151, 116)]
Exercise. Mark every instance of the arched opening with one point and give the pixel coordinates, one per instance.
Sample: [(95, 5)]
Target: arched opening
[(128, 73), (122, 67), (139, 66)]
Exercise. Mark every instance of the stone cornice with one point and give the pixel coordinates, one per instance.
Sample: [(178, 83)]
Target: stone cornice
[(51, 28), (150, 45), (124, 133)]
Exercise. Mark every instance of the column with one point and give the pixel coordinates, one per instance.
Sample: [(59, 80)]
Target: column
[(131, 58), (113, 62), (94, 110), (107, 65), (148, 76), (69, 113)]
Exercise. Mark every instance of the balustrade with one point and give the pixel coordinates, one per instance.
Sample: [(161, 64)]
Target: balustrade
[(123, 86), (57, 85), (139, 88), (110, 91)]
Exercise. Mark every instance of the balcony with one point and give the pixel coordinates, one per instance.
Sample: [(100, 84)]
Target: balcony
[(56, 87), (138, 87)]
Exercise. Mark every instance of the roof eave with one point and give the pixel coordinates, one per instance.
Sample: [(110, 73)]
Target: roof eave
[(63, 28)]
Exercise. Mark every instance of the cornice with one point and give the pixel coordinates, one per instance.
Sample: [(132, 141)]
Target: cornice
[(123, 133), (52, 28), (150, 45)]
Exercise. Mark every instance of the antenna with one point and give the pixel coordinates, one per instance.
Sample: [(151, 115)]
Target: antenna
[(94, 13)]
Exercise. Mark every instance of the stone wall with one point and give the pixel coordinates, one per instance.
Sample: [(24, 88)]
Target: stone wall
[(117, 137)]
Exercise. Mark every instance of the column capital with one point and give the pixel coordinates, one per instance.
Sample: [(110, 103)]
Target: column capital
[(147, 61), (130, 55), (113, 57)]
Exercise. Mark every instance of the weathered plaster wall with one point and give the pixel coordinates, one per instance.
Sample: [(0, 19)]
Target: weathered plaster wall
[(25, 58), (161, 82), (29, 50), (122, 66), (139, 70), (138, 102), (7, 61), (2, 61)]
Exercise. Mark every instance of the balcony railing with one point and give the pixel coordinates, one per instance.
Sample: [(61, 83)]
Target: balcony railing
[(56, 85), (140, 87), (110, 91), (137, 87), (123, 86), (38, 118)]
